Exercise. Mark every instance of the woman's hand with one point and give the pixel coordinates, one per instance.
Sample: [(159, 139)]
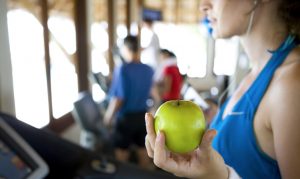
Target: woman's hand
[(204, 162)]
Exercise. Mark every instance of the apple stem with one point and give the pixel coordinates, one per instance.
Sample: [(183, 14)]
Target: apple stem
[(178, 102)]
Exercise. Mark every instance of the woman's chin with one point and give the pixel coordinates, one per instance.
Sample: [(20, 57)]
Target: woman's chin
[(216, 35), (219, 35)]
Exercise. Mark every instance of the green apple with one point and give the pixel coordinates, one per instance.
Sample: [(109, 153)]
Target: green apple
[(183, 124)]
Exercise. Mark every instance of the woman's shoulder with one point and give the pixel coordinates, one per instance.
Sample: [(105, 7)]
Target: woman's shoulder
[(289, 72), (283, 95)]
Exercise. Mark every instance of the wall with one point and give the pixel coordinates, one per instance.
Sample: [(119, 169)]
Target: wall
[(6, 83)]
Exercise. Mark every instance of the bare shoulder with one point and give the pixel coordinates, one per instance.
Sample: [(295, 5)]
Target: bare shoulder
[(289, 72), (288, 75), (284, 96)]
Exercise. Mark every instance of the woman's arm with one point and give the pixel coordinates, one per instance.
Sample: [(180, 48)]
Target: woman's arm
[(285, 123)]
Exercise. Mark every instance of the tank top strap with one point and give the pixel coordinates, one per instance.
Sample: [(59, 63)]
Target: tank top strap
[(260, 85)]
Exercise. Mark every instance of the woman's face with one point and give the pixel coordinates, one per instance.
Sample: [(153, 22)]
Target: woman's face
[(228, 17)]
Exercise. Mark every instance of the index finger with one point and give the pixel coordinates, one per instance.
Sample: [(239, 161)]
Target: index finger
[(150, 129), (149, 124)]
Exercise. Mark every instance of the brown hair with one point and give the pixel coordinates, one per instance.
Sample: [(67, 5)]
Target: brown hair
[(289, 11)]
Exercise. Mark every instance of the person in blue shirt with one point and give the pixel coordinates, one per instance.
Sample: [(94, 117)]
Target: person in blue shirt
[(255, 134), (130, 91)]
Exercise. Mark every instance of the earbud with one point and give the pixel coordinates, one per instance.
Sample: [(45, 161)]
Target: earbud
[(251, 17)]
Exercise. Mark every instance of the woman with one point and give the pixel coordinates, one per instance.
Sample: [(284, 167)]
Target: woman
[(258, 135)]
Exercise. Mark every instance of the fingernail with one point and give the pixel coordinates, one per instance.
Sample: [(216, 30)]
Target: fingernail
[(158, 136), (215, 132), (146, 116), (212, 135)]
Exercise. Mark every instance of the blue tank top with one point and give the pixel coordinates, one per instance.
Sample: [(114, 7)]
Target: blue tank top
[(236, 140)]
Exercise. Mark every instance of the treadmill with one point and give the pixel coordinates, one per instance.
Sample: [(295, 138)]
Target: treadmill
[(38, 153)]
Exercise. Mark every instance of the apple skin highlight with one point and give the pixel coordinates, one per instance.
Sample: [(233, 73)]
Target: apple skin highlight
[(183, 124)]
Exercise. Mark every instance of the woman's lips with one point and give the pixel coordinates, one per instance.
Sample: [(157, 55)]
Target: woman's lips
[(212, 21)]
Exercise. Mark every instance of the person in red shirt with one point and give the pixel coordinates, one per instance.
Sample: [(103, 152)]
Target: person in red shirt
[(168, 77)]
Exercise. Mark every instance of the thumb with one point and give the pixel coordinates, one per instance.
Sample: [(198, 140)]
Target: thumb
[(207, 139)]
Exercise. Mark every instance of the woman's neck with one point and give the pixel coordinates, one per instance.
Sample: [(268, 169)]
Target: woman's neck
[(257, 46), (267, 33)]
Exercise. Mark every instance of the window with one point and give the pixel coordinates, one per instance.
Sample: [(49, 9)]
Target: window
[(121, 29), (62, 46), (189, 45), (99, 44), (27, 47), (226, 56), (28, 63)]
